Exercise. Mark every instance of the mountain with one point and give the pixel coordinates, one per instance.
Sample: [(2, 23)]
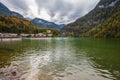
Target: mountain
[(46, 24), (61, 26), (29, 19), (102, 21), (5, 11), (36, 21), (11, 24)]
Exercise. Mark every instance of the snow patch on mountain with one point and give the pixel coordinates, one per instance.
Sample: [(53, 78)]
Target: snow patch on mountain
[(113, 3)]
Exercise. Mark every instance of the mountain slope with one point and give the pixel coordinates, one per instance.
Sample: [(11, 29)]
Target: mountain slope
[(46, 24), (5, 11), (10, 24), (109, 28), (104, 11)]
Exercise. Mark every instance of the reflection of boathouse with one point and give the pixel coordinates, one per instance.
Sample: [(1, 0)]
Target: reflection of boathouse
[(8, 35)]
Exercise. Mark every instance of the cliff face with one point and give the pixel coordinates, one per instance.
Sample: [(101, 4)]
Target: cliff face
[(96, 22)]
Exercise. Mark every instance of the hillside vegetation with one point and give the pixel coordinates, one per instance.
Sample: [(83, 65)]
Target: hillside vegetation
[(102, 21), (11, 24), (109, 28)]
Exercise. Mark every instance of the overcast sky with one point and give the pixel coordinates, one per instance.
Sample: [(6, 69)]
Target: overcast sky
[(58, 11)]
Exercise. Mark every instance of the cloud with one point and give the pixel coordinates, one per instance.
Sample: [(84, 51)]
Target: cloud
[(58, 11)]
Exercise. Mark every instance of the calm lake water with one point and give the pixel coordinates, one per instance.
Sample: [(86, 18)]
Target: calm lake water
[(64, 58)]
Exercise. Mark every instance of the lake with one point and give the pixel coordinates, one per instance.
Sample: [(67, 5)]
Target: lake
[(63, 58)]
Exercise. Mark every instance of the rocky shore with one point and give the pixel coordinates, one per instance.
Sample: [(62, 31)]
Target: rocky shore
[(19, 73), (11, 73)]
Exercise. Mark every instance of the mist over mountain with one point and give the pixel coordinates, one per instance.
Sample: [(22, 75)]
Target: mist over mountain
[(57, 11)]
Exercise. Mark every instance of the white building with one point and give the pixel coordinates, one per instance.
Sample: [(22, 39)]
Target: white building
[(48, 31), (101, 6)]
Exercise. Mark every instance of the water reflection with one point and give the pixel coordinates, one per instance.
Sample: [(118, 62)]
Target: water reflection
[(63, 58)]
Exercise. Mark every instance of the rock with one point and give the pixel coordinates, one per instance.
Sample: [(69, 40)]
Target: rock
[(14, 73), (10, 73)]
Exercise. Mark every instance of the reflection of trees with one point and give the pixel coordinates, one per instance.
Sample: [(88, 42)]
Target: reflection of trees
[(107, 61), (103, 52)]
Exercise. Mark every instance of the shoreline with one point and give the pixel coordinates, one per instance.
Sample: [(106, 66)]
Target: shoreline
[(4, 39)]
